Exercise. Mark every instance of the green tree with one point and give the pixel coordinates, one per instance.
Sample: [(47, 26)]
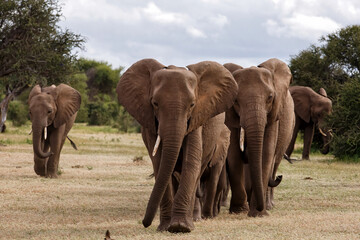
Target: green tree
[(335, 66), (345, 121), (102, 78), (33, 48)]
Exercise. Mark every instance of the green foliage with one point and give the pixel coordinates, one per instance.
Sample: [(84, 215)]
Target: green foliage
[(33, 48), (335, 66), (102, 78), (345, 120), (78, 81), (18, 113)]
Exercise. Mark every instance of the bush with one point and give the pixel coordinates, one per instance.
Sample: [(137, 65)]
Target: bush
[(345, 121), (78, 81), (18, 113)]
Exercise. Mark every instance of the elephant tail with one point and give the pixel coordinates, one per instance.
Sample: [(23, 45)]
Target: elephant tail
[(72, 143)]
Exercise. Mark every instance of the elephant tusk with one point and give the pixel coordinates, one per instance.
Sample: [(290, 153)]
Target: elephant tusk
[(157, 143), (322, 133), (242, 138), (45, 133), (331, 134), (30, 132)]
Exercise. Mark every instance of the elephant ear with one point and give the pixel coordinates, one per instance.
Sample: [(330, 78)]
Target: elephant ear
[(216, 91), (302, 104), (133, 91), (322, 92), (35, 91), (282, 78), (68, 102), (232, 67)]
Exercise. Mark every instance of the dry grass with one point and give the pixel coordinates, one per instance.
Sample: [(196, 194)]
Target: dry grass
[(102, 187)]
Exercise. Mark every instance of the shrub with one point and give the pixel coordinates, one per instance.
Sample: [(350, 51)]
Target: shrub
[(18, 113), (345, 121)]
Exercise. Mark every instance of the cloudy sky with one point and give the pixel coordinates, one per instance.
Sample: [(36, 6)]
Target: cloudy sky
[(246, 32)]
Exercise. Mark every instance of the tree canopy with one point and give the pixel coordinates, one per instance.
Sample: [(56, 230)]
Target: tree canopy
[(33, 47)]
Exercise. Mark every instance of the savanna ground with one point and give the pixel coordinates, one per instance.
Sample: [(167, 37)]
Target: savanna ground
[(106, 185)]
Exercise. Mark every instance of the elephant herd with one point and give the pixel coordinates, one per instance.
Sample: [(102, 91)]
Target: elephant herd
[(208, 128)]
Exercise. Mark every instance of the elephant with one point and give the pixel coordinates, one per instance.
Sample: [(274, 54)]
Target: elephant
[(261, 123), (311, 108), (213, 181), (52, 112), (179, 110)]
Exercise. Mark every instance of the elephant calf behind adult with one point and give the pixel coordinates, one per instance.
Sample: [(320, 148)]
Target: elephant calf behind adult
[(52, 112)]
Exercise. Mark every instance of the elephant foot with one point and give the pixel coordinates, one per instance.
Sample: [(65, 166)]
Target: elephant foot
[(239, 210), (163, 226), (39, 169), (256, 213), (270, 205), (182, 225), (207, 215), (51, 175)]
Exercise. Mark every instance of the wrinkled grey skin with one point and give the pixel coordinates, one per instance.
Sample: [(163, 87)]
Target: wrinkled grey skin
[(55, 109), (264, 109), (213, 181), (179, 106)]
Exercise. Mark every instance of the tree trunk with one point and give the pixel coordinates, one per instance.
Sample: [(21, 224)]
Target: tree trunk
[(4, 105)]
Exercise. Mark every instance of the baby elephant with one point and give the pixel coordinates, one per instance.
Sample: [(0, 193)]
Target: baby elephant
[(52, 112)]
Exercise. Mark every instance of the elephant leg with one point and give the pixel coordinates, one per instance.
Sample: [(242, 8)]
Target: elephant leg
[(308, 138), (221, 190), (184, 199), (56, 143), (269, 146), (211, 187), (197, 210), (291, 146), (238, 202)]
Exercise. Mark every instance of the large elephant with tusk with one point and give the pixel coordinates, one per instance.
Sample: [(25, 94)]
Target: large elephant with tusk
[(261, 123), (311, 108), (179, 111), (52, 112)]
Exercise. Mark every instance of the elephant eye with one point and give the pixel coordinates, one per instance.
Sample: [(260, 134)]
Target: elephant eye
[(49, 111), (192, 105), (270, 98), (155, 104)]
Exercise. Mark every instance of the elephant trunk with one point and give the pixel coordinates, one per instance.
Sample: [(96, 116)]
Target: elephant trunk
[(171, 144), (255, 137), (37, 142), (276, 182)]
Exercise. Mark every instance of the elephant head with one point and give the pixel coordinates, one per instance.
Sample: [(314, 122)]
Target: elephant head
[(50, 106), (172, 102), (313, 107), (262, 92)]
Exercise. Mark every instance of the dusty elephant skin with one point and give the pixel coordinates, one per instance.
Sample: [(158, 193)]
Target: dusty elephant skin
[(311, 108), (175, 107), (261, 123), (213, 181), (52, 112)]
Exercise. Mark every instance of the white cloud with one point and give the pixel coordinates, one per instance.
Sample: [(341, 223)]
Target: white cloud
[(154, 13), (219, 20), (302, 27), (196, 33), (94, 10)]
